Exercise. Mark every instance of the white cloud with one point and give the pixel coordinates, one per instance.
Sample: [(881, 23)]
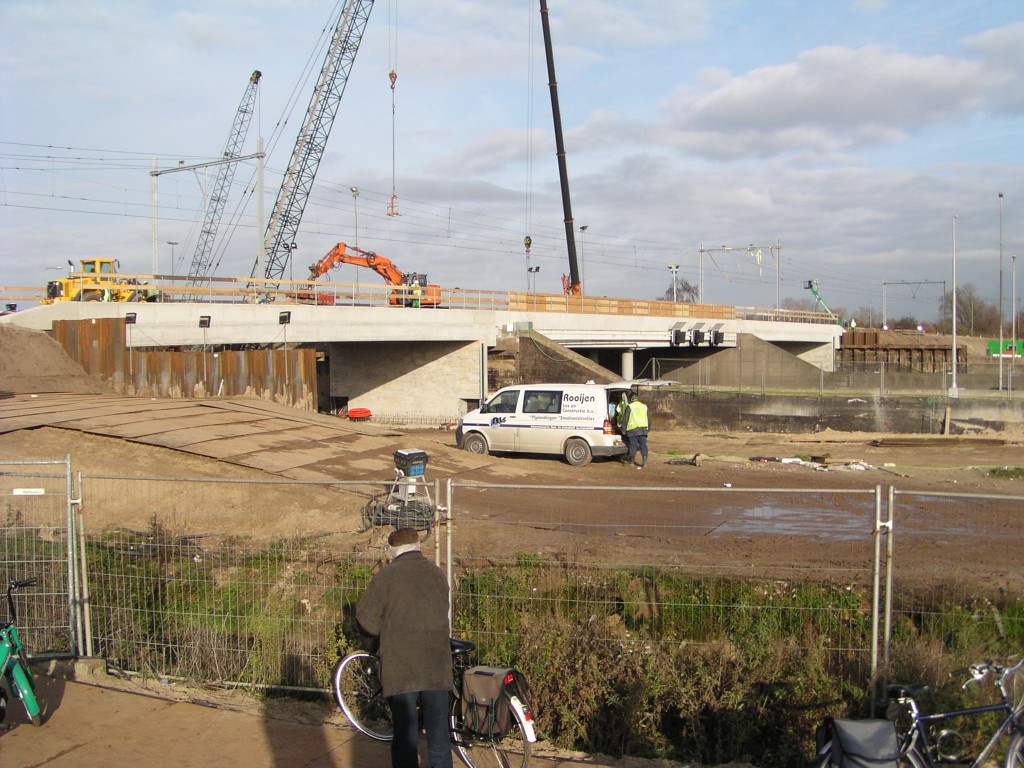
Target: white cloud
[(828, 100)]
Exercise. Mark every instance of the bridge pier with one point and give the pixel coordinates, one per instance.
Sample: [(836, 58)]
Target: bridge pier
[(627, 364)]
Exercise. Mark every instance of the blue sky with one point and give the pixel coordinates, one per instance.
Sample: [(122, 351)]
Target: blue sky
[(847, 132)]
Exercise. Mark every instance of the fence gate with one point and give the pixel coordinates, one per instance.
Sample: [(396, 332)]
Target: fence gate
[(38, 539)]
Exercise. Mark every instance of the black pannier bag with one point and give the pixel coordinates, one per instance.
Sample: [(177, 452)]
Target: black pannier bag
[(486, 692), (864, 744)]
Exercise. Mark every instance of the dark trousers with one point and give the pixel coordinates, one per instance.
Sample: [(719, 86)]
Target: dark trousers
[(435, 706), (636, 443)]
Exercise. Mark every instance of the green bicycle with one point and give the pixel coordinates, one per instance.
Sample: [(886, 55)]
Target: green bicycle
[(14, 664)]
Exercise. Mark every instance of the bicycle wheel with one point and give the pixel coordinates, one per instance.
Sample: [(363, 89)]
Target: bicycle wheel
[(356, 687), (23, 686), (913, 759), (1015, 752), (510, 751)]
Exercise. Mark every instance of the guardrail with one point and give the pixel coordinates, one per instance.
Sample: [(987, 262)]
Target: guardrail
[(173, 288)]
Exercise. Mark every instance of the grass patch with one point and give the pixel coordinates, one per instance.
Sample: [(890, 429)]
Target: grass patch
[(1007, 473)]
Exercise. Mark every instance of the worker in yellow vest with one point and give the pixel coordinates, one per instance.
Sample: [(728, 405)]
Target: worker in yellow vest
[(636, 425)]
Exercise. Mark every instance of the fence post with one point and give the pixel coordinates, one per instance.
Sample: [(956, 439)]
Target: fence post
[(875, 590), (74, 590), (887, 632)]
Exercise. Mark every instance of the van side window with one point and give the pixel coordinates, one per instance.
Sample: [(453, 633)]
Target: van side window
[(543, 401), (504, 403)]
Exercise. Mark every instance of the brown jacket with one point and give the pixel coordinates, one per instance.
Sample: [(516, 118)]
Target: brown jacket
[(406, 605)]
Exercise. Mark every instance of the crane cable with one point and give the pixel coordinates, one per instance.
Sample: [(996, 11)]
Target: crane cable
[(528, 213), (393, 77)]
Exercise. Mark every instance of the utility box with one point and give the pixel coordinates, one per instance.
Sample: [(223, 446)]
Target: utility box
[(411, 462)]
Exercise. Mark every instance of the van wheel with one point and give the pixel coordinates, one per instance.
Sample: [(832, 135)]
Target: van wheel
[(577, 452), (475, 443)]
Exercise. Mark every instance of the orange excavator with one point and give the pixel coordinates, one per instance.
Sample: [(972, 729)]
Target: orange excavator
[(409, 289)]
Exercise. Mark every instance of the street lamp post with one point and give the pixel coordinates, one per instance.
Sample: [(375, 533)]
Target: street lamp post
[(953, 391), (1000, 291), (1013, 316), (531, 272), (355, 218), (291, 248), (583, 243), (674, 268), (172, 243)]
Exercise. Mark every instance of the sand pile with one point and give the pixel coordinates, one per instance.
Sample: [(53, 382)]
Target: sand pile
[(32, 362)]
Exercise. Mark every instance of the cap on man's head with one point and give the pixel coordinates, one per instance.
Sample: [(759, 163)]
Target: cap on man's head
[(403, 536)]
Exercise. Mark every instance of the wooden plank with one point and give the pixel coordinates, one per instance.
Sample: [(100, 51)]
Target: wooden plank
[(193, 438)]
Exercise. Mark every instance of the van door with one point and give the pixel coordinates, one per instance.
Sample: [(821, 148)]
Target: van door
[(538, 424), (501, 417)]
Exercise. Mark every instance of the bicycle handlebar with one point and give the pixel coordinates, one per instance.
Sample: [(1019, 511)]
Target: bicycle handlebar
[(12, 615)]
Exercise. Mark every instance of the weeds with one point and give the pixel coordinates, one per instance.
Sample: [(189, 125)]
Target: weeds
[(644, 662), (1007, 473)]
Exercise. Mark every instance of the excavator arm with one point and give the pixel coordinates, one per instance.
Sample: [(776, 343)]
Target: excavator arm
[(339, 254), (410, 289)]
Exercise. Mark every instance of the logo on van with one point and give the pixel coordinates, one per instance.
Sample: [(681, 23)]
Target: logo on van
[(581, 398)]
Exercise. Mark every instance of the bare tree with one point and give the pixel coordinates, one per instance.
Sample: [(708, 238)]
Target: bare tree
[(868, 317), (974, 315), (685, 291)]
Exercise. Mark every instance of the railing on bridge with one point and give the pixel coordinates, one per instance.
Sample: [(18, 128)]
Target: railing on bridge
[(174, 288)]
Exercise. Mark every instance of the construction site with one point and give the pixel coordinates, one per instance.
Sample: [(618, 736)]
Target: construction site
[(200, 472)]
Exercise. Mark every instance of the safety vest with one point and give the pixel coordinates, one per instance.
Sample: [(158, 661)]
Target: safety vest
[(637, 416)]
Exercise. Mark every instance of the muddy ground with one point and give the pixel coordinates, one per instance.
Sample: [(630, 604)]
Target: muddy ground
[(766, 502)]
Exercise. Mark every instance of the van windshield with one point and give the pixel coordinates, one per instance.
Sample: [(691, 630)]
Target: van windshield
[(543, 401), (505, 402)]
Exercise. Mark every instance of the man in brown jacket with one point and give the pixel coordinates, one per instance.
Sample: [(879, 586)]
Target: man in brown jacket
[(406, 606)]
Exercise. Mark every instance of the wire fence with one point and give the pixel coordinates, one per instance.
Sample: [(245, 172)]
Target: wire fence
[(255, 582), (38, 539)]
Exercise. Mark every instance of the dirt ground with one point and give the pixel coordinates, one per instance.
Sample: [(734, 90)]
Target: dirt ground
[(701, 500), (730, 507), (704, 499)]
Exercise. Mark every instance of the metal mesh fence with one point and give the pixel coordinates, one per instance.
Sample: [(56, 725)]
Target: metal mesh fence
[(255, 581), (675, 565), (36, 540), (980, 540), (241, 581)]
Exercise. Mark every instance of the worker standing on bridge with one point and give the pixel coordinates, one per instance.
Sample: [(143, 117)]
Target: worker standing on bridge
[(417, 290), (636, 426)]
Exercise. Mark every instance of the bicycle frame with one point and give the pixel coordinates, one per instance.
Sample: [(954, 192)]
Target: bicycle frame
[(918, 733), (13, 666)]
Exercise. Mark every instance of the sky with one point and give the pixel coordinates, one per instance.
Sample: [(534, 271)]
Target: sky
[(856, 143)]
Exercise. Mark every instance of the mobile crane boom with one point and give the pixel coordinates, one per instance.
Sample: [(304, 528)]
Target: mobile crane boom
[(571, 282), (283, 226), (222, 184), (812, 286)]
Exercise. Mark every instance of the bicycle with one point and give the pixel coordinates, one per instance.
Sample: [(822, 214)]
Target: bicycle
[(918, 748), (357, 690), (13, 662)]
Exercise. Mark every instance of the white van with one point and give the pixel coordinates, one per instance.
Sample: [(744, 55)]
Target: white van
[(575, 420)]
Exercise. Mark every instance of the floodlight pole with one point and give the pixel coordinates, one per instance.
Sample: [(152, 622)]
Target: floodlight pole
[(953, 391)]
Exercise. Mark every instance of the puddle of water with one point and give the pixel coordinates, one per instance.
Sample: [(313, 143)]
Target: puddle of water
[(818, 523)]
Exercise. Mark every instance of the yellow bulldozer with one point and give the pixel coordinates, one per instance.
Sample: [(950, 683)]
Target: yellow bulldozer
[(99, 281)]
